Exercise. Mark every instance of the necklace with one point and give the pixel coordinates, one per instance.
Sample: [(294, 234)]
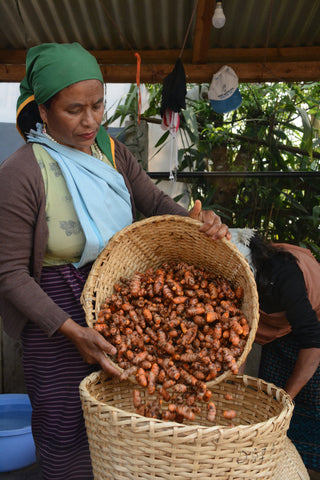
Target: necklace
[(50, 138), (96, 151)]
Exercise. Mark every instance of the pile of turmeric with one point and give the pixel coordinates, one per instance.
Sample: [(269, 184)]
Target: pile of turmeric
[(175, 329)]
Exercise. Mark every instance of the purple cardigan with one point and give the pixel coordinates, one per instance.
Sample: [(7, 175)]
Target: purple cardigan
[(24, 234)]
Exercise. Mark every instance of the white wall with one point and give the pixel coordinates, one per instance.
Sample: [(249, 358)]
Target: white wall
[(9, 93)]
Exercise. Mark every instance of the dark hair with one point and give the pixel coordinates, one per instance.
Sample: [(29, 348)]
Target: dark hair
[(30, 116), (262, 252)]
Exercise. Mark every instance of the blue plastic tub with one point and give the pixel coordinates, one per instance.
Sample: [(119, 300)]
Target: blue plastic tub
[(17, 449)]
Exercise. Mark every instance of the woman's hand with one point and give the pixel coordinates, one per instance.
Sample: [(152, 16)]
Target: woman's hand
[(212, 225), (91, 345)]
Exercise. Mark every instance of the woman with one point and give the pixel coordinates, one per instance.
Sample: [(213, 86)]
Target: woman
[(63, 195), (288, 284)]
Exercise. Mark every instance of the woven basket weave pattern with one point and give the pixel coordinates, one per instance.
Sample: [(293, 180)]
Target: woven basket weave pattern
[(290, 465), (156, 240), (128, 446)]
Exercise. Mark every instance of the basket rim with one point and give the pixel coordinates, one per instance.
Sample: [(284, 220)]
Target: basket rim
[(247, 380), (116, 238)]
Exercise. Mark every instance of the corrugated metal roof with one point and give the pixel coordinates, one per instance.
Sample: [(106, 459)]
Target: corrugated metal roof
[(96, 24), (154, 25), (272, 23), (160, 26)]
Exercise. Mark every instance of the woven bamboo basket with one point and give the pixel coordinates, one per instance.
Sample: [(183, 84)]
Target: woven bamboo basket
[(128, 446), (151, 242), (290, 465)]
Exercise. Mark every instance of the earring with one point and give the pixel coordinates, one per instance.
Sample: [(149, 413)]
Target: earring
[(44, 127)]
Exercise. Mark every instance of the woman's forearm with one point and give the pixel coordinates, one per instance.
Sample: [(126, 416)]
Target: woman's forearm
[(307, 363)]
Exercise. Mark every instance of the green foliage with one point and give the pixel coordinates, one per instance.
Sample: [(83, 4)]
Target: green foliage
[(276, 129)]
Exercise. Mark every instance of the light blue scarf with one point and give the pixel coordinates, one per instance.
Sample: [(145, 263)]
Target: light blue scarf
[(100, 196)]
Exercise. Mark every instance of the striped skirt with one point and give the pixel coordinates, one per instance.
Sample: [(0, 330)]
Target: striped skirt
[(277, 361), (53, 370)]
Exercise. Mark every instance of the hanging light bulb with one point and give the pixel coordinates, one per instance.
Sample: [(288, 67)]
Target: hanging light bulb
[(218, 19)]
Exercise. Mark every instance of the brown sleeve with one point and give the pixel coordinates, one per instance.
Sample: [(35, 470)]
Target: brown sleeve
[(22, 225)]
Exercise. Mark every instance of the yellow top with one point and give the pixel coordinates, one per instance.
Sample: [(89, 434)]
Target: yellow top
[(66, 238)]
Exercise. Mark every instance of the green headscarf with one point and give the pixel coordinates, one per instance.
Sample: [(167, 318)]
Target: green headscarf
[(50, 67)]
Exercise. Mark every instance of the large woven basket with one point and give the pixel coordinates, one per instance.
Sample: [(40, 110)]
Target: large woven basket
[(128, 446), (149, 243), (290, 465)]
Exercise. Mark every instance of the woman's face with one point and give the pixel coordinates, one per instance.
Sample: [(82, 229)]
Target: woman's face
[(75, 114)]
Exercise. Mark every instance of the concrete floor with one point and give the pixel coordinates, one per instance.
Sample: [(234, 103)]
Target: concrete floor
[(315, 476), (28, 473), (33, 473)]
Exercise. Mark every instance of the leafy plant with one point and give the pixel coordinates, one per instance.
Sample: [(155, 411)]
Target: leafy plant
[(274, 133)]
